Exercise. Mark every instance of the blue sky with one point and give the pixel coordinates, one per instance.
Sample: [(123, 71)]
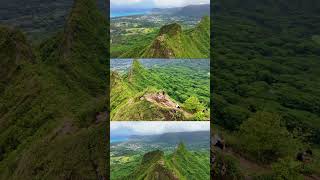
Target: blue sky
[(147, 4), (156, 127)]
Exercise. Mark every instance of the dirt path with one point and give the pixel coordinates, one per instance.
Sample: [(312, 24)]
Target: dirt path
[(165, 101), (249, 167)]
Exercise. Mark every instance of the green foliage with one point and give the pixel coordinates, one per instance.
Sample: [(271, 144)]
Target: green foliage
[(200, 116), (263, 62), (49, 104), (265, 139), (179, 80), (180, 163), (226, 167), (286, 169), (170, 42), (193, 104)]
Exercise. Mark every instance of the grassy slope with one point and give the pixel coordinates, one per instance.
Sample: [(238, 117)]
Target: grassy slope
[(189, 165), (48, 117), (126, 92), (192, 43), (181, 164)]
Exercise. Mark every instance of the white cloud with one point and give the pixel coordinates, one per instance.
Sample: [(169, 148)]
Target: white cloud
[(159, 127), (158, 3), (179, 3), (125, 2)]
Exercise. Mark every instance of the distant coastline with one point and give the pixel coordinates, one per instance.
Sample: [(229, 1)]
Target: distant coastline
[(123, 13), (118, 139)]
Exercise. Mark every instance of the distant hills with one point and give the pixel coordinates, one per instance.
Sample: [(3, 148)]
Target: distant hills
[(194, 10), (188, 11), (38, 19), (193, 138), (173, 42), (180, 165), (50, 95), (187, 137)]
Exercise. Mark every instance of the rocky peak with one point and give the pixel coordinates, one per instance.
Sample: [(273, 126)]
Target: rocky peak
[(170, 29)]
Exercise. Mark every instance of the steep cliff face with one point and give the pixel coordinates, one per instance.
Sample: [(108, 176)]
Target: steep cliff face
[(15, 53), (50, 97)]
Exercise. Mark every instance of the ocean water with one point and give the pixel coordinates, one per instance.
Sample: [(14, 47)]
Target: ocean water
[(118, 139), (114, 14)]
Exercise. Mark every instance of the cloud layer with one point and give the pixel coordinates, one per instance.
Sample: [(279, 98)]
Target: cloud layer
[(150, 128), (178, 3), (155, 3)]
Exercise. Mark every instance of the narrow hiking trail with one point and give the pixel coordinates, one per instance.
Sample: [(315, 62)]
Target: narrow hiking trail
[(250, 167), (247, 165), (163, 100)]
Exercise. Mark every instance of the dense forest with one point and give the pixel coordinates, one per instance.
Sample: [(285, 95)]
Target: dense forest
[(265, 88), (153, 93), (52, 110)]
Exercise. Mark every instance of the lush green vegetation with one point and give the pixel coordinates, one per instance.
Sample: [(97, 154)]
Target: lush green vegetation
[(168, 42), (49, 99), (134, 95), (179, 164), (266, 83)]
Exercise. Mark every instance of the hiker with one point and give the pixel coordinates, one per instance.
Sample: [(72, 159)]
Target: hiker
[(220, 144), (177, 106), (300, 157), (305, 156)]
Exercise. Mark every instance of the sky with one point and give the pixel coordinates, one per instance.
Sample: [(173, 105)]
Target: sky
[(156, 127), (147, 4)]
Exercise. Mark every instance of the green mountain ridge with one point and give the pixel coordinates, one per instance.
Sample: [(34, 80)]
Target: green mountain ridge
[(176, 166), (138, 95), (173, 42), (50, 98)]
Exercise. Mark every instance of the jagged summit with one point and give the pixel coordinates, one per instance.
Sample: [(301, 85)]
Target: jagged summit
[(152, 156), (181, 147), (85, 30), (63, 86), (15, 52), (14, 43), (170, 29), (136, 65), (152, 167), (135, 70), (179, 165), (204, 24), (173, 42)]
